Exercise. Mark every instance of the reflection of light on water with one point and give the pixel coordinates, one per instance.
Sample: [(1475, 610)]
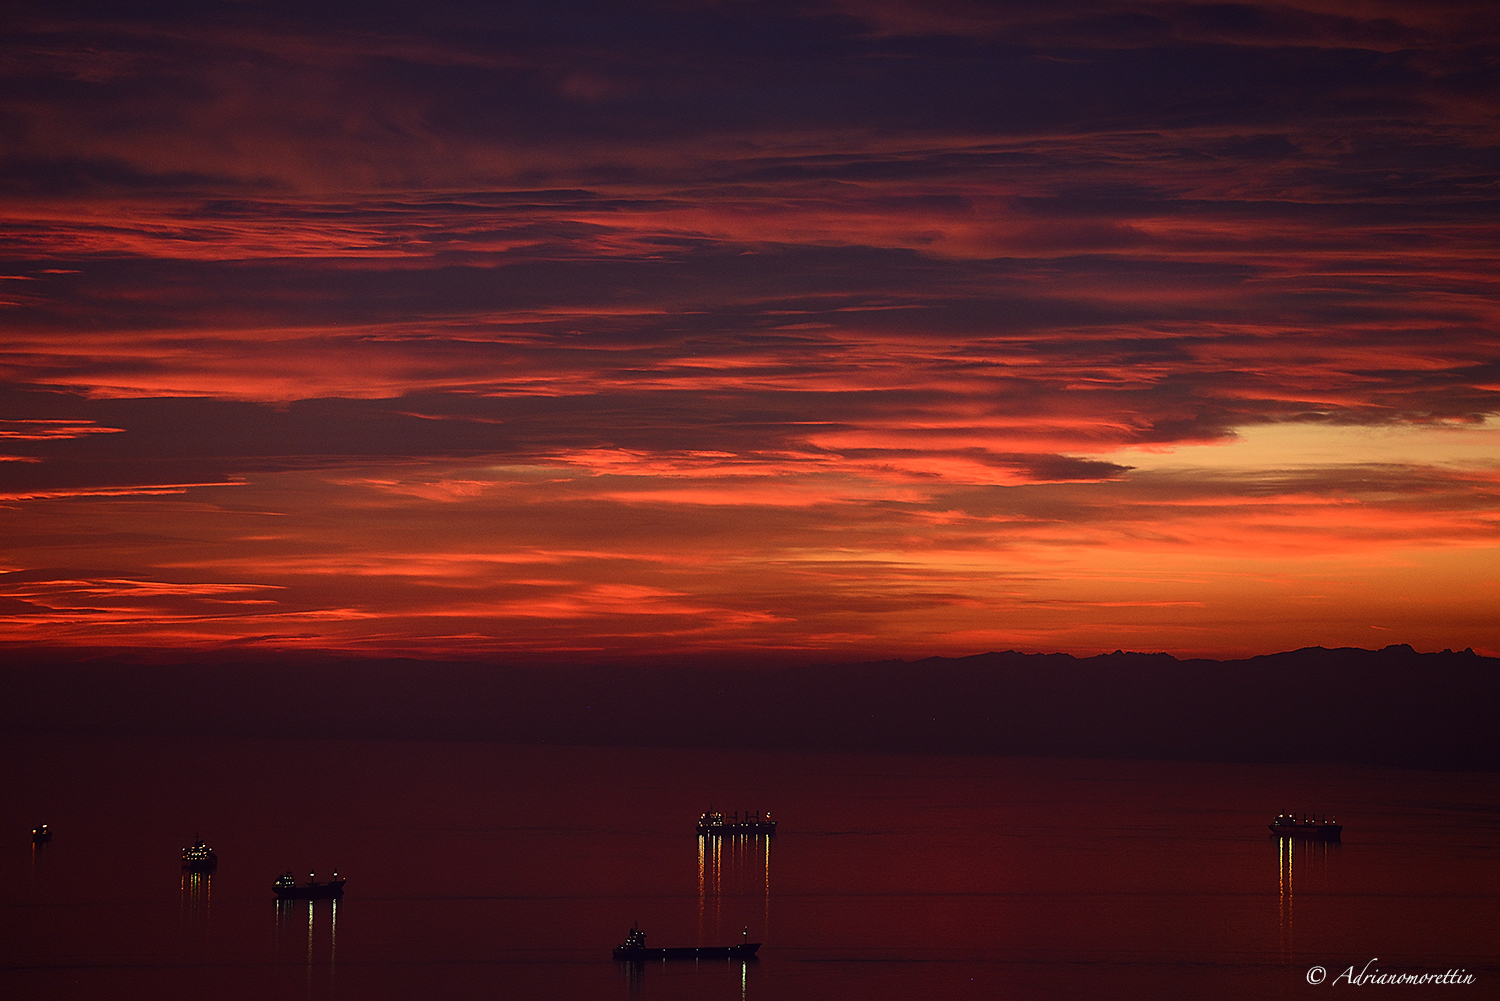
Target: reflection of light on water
[(718, 885), (309, 940), (333, 937), (197, 896), (1284, 851), (635, 978), (726, 869), (766, 926), (283, 918), (285, 912), (744, 973)]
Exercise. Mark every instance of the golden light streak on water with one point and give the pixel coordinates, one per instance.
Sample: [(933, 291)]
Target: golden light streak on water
[(1285, 850), (333, 938), (718, 884), (765, 930), (309, 941)]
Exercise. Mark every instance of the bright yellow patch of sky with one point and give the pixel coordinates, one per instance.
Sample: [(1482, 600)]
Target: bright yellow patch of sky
[(1280, 446)]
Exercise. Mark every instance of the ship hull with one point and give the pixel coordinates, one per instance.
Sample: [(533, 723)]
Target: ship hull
[(318, 891), (1311, 832), (746, 951), (730, 830)]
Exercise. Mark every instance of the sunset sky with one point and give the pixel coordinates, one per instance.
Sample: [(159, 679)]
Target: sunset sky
[(793, 331)]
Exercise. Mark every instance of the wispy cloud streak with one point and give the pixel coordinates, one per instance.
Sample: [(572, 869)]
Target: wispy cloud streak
[(822, 329)]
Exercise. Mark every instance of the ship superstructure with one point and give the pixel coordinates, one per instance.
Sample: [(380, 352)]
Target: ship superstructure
[(714, 823), (1290, 825)]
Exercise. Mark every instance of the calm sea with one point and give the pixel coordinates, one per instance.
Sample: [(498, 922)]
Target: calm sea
[(497, 872)]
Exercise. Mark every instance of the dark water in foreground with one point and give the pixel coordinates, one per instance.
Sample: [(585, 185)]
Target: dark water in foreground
[(497, 872)]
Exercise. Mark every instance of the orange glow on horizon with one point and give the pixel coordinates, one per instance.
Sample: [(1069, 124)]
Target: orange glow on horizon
[(672, 347)]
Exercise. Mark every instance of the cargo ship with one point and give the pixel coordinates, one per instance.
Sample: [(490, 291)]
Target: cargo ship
[(1289, 825), (716, 824), (199, 858), (40, 834), (287, 888), (633, 949)]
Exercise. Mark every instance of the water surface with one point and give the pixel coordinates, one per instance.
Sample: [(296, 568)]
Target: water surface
[(492, 871)]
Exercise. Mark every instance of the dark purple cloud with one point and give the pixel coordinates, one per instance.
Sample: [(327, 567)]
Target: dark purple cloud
[(852, 326)]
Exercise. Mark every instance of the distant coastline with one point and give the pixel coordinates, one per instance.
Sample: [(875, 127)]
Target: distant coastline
[(1394, 706)]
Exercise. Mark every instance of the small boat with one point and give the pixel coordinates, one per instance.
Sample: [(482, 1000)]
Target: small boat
[(633, 949), (715, 824), (287, 888), (1289, 825), (40, 834), (199, 858)]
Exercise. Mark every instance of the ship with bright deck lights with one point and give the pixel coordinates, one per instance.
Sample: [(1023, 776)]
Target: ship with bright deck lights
[(287, 888), (1289, 825), (199, 857), (715, 824)]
